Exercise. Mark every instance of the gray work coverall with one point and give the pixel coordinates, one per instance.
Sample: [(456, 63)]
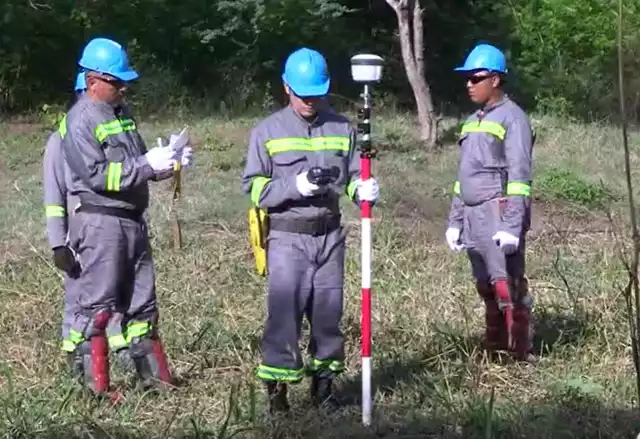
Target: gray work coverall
[(59, 205), (493, 193), (305, 269), (108, 173)]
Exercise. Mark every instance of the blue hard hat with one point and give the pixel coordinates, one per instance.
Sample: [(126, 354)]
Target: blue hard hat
[(106, 56), (306, 73), (484, 57), (81, 82)]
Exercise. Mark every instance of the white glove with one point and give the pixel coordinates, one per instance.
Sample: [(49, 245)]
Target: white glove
[(161, 158), (178, 142), (368, 190), (304, 186), (186, 160), (507, 242), (452, 236)]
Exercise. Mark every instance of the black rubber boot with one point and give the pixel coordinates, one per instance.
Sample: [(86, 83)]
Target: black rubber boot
[(75, 363), (321, 391), (277, 393)]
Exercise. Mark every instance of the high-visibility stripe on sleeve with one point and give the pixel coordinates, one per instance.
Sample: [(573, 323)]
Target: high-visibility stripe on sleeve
[(257, 186), (456, 188), (62, 126), (518, 188), (114, 173), (55, 211), (484, 126)]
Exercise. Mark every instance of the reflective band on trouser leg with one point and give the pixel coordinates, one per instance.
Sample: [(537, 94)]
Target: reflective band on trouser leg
[(257, 186), (71, 343), (351, 189), (518, 188), (484, 126), (113, 127), (315, 366), (268, 373), (289, 144), (114, 172), (117, 341), (137, 329), (55, 211)]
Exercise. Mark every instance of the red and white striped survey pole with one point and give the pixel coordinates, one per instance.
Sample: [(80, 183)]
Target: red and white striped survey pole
[(366, 69)]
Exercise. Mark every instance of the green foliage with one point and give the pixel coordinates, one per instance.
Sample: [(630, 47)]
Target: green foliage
[(565, 184), (229, 54)]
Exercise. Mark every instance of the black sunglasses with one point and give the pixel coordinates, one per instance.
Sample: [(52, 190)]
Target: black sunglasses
[(475, 79)]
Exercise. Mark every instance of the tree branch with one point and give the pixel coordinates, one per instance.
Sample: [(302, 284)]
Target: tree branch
[(418, 37), (632, 291)]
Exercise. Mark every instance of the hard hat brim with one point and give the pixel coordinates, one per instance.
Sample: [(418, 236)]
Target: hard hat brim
[(473, 69), (309, 91), (127, 76)]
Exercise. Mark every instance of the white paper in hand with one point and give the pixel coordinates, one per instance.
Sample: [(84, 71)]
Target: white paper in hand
[(177, 143)]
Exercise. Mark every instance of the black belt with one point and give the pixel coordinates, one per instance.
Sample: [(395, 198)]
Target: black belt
[(315, 227), (111, 211)]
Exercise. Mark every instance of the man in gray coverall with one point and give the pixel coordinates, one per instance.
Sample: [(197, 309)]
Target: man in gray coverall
[(491, 209), (59, 205), (306, 242), (108, 170)]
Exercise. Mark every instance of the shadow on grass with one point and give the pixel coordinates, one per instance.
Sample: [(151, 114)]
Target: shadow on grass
[(563, 416)]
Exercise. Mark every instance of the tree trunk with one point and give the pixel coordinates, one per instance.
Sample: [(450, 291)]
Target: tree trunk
[(410, 29)]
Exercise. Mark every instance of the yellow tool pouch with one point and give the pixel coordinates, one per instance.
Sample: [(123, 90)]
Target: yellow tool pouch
[(258, 230)]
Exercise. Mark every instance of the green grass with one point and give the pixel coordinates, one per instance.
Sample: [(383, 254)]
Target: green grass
[(431, 378)]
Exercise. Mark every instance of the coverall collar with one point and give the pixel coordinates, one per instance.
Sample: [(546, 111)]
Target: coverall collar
[(488, 108), (101, 105)]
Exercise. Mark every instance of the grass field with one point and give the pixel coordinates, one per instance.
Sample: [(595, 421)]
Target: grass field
[(431, 378)]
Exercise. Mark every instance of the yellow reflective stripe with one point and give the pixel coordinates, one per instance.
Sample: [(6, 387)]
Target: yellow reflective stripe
[(177, 166), (279, 374), (518, 188), (326, 143), (318, 365), (114, 127), (62, 126), (456, 188), (257, 186), (484, 126), (75, 336), (137, 329), (54, 210), (68, 345), (117, 341), (351, 189), (114, 172)]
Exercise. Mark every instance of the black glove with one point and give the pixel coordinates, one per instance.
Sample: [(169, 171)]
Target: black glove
[(64, 259), (323, 176)]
